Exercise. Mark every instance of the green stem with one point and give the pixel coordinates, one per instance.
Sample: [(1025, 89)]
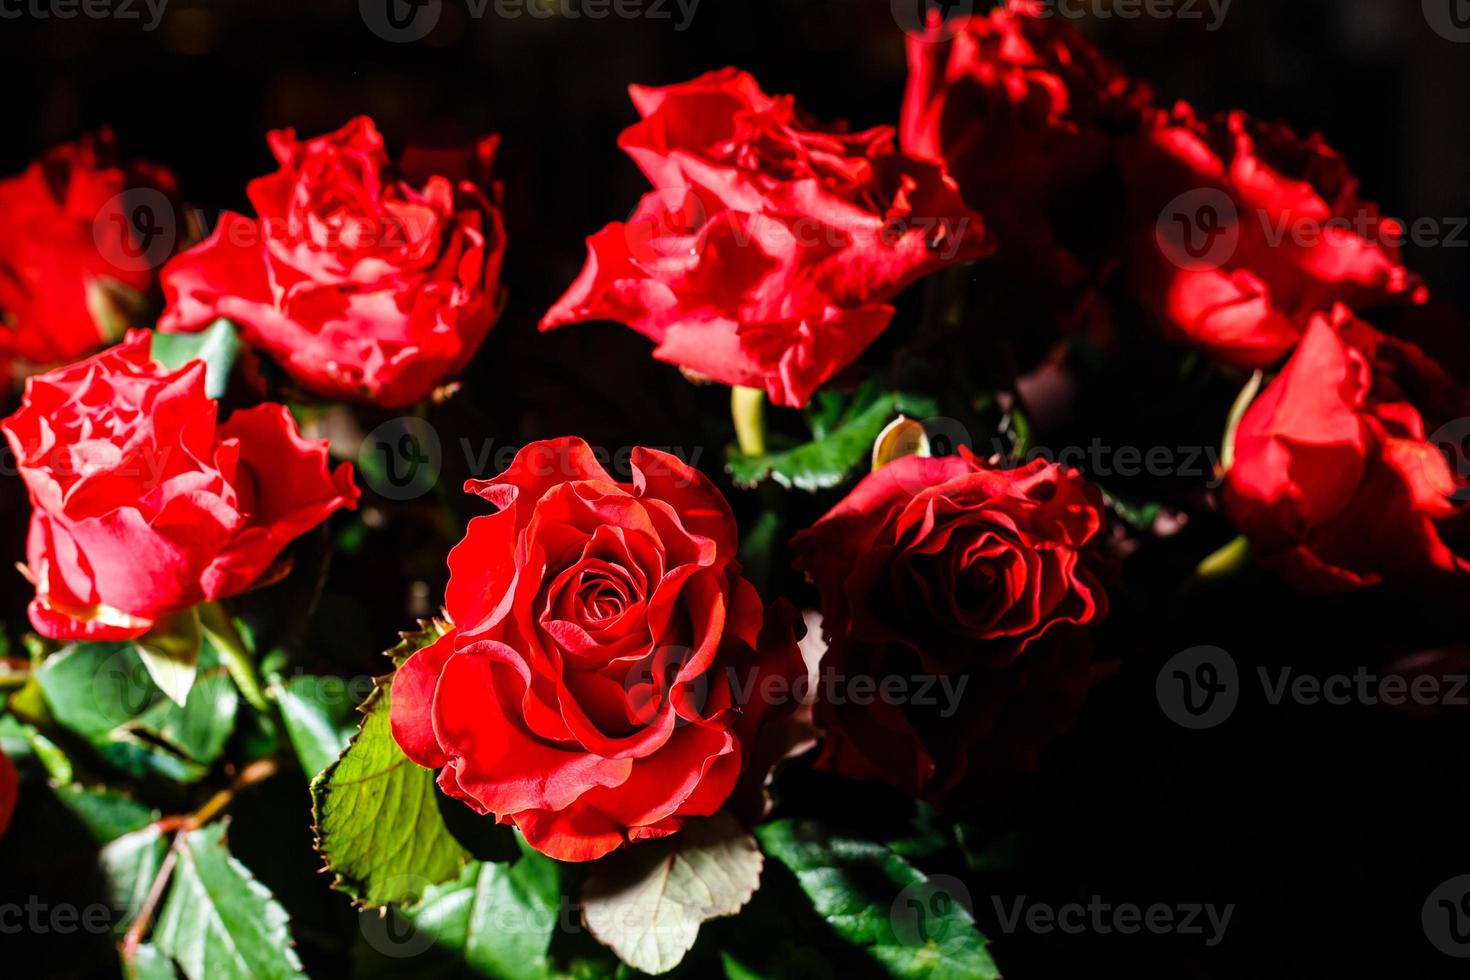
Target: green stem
[(1237, 412), (233, 652), (748, 412)]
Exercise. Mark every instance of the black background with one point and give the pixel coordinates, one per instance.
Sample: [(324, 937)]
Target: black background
[(1327, 827)]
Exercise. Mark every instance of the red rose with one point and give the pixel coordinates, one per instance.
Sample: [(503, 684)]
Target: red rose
[(1241, 231), (9, 790), (963, 592), (1334, 479), (1023, 111), (364, 281), (602, 670), (142, 505), (74, 227), (772, 245)]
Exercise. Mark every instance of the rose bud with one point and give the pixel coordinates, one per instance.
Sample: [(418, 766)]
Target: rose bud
[(363, 280), (142, 504), (1339, 477)]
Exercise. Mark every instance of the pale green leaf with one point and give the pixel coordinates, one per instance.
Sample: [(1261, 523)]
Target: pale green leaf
[(218, 922), (170, 651), (647, 902)]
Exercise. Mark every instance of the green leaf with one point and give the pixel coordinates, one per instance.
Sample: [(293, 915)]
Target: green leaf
[(149, 964), (377, 822), (107, 813), (52, 758), (735, 970), (876, 900), (170, 651), (220, 922), (103, 693), (758, 547), (216, 345), (839, 445), (494, 920), (647, 902), (411, 642), (130, 864), (319, 718)]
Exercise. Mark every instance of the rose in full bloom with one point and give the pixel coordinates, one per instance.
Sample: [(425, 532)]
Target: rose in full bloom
[(1240, 230), (362, 279), (770, 249), (143, 505), (78, 236), (973, 588), (1024, 112), (1339, 478), (603, 678)]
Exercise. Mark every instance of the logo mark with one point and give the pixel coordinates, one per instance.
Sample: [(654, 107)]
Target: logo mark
[(1199, 687), (1199, 229), (1453, 439), (1446, 917), (662, 224), (932, 20), (400, 21), (136, 230), (931, 911), (391, 934), (1450, 19), (401, 458)]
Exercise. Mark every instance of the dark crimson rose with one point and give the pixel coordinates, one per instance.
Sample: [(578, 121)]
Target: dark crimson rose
[(1241, 230), (1338, 478), (604, 674), (363, 280), (1023, 111), (772, 245), (78, 233), (144, 506), (9, 790), (967, 591)]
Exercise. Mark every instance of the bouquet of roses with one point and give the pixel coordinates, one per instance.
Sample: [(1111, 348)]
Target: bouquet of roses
[(965, 360)]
